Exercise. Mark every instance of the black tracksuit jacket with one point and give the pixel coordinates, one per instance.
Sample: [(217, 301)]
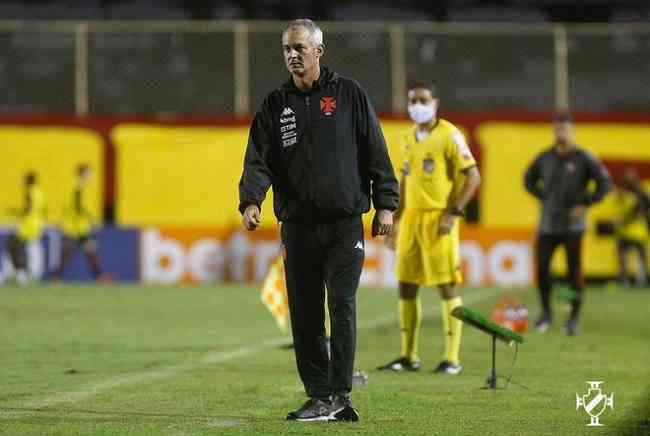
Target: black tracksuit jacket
[(323, 152), (561, 183)]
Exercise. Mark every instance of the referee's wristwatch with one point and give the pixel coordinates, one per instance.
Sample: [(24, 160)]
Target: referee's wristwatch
[(457, 211)]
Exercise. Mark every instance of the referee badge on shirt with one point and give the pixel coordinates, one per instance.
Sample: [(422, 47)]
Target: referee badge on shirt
[(427, 165)]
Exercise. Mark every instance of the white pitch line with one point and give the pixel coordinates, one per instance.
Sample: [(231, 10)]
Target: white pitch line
[(209, 359)]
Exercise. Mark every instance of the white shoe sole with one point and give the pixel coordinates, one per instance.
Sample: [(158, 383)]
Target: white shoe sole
[(348, 418), (316, 419)]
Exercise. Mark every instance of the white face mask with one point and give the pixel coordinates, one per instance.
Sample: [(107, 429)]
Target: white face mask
[(422, 113)]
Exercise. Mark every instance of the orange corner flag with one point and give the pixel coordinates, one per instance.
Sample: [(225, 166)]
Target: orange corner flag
[(274, 293)]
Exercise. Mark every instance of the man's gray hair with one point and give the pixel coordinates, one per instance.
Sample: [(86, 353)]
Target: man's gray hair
[(315, 34)]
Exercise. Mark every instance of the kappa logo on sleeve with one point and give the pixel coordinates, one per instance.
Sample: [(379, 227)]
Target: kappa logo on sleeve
[(287, 111), (328, 105)]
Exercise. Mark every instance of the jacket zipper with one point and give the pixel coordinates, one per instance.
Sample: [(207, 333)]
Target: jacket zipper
[(312, 188)]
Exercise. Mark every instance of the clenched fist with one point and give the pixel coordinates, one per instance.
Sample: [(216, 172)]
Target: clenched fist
[(251, 218)]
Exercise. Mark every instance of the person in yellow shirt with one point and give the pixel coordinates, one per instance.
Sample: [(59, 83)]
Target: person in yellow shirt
[(439, 177), (78, 228), (632, 227), (30, 227)]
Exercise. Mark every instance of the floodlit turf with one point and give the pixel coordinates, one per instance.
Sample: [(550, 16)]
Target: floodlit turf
[(128, 360)]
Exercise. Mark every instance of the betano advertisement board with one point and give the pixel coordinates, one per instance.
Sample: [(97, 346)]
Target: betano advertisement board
[(170, 256)]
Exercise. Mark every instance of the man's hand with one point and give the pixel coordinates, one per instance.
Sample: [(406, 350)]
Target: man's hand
[(577, 213), (382, 224), (445, 223), (251, 217), (391, 238)]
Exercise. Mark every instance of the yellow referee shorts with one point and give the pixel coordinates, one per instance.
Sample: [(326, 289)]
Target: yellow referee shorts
[(423, 256)]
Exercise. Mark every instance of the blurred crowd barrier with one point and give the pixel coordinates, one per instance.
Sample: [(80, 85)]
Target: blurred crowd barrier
[(227, 67)]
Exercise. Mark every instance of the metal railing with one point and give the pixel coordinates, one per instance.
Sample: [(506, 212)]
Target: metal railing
[(217, 67)]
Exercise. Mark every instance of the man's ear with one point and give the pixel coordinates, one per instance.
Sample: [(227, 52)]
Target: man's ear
[(321, 50)]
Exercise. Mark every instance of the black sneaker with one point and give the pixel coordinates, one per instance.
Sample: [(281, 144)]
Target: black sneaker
[(571, 327), (448, 368), (343, 410), (400, 365), (543, 322), (313, 410)]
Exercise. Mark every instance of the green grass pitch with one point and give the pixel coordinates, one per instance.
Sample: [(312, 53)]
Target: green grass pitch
[(180, 361)]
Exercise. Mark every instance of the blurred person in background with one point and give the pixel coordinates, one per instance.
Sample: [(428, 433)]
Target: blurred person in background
[(559, 179), (439, 178), (633, 206), (318, 142), (30, 226), (78, 228)]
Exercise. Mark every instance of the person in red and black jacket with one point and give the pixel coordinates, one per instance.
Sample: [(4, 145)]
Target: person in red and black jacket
[(559, 178), (317, 141)]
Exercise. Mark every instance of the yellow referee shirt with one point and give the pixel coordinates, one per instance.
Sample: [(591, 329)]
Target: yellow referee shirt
[(431, 166), (77, 221), (635, 229), (31, 224)]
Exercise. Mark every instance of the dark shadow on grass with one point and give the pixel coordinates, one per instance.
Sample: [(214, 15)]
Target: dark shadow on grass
[(637, 422)]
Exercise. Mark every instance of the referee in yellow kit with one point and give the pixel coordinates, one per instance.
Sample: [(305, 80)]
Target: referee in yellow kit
[(439, 178), (30, 227)]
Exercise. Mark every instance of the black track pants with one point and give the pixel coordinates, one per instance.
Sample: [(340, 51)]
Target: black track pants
[(316, 256)]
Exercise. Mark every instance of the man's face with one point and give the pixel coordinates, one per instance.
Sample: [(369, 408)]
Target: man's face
[(564, 133), (300, 53), (85, 175), (630, 179), (30, 179)]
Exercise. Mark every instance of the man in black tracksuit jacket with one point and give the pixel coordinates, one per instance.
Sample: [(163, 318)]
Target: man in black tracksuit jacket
[(559, 178), (318, 142)]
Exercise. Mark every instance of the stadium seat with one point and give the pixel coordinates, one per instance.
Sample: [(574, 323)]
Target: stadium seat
[(147, 10), (13, 11), (380, 12), (630, 15), (227, 10), (497, 15), (79, 10)]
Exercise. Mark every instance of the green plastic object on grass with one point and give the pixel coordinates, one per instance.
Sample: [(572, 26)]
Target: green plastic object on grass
[(479, 321), (566, 294)]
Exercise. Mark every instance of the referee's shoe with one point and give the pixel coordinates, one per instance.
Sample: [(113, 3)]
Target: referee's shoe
[(400, 365)]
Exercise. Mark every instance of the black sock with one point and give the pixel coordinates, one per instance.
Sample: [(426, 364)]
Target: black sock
[(545, 295), (576, 304)]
